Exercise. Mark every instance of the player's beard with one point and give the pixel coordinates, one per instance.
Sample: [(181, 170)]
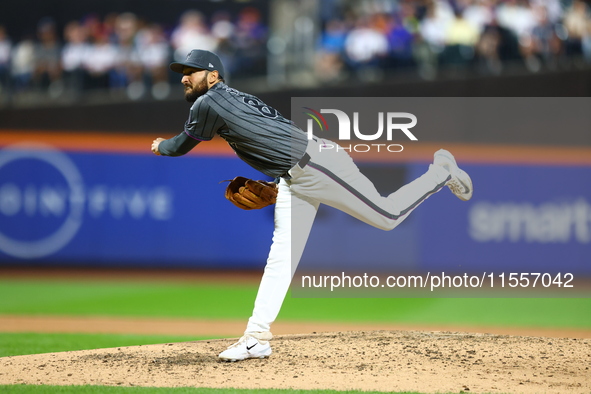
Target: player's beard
[(199, 90)]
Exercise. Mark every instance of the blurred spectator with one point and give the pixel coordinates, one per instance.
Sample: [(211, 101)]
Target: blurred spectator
[(223, 30), (460, 38), (488, 49), (554, 8), (400, 42), (586, 44), (518, 17), (366, 47), (126, 71), (435, 24), (576, 21), (330, 51), (190, 34), (430, 42), (496, 45), (101, 58), (48, 72), (153, 55), (95, 28), (478, 13), (250, 37), (5, 48), (74, 54), (461, 32), (546, 43), (333, 37), (22, 64)]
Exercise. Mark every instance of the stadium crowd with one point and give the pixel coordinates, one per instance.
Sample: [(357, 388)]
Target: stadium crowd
[(356, 38), (123, 52), (365, 37)]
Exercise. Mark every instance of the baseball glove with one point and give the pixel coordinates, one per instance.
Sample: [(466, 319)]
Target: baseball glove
[(249, 194)]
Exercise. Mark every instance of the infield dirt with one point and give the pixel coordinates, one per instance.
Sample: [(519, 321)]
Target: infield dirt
[(423, 361)]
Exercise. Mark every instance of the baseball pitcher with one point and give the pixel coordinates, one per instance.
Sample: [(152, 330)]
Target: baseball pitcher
[(306, 177)]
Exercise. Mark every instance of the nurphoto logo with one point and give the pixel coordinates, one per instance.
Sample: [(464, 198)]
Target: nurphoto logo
[(390, 123)]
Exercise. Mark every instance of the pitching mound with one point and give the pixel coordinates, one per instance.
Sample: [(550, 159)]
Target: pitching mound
[(426, 362)]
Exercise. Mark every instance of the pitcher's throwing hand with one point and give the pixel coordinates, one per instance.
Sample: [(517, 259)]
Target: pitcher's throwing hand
[(155, 145)]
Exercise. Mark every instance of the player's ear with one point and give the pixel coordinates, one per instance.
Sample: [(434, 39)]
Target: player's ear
[(213, 76)]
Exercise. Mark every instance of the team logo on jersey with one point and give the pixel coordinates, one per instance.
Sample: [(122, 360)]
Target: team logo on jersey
[(232, 90), (264, 109)]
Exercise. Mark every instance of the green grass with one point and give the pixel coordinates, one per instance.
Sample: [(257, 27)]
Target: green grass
[(12, 344), (156, 390), (83, 298), (214, 301), (211, 301)]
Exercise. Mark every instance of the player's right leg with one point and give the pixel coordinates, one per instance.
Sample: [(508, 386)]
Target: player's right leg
[(294, 216)]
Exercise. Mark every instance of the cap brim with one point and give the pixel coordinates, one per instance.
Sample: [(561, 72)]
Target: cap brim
[(178, 67)]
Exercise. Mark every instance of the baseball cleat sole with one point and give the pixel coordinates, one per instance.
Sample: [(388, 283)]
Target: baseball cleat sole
[(460, 183), (233, 360)]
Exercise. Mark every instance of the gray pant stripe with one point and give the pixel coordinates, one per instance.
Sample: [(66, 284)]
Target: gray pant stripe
[(370, 203)]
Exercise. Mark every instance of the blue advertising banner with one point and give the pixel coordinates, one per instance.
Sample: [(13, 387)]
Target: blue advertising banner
[(125, 210), (110, 209), (521, 218)]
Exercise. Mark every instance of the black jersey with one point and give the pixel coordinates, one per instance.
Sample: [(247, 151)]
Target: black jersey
[(257, 132)]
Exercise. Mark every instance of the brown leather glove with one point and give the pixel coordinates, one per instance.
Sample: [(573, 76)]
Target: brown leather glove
[(250, 194)]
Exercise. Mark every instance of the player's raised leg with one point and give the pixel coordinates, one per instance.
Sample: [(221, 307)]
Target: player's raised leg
[(334, 179)]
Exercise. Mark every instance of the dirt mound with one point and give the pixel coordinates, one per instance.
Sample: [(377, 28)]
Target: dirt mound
[(365, 360)]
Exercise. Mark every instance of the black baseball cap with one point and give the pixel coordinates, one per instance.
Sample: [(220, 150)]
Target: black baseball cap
[(201, 59)]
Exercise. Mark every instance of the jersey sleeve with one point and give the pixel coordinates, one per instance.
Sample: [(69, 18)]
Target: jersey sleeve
[(177, 146), (203, 121)]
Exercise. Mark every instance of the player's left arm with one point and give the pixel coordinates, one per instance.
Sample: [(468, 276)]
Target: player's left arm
[(176, 146)]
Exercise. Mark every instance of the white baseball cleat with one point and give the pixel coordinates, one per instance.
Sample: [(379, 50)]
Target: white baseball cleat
[(460, 183), (246, 347)]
